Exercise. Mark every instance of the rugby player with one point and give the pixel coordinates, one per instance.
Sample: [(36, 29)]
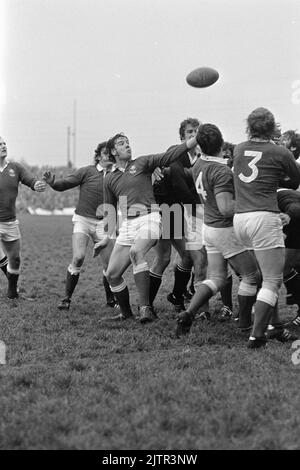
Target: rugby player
[(87, 223), (214, 183), (11, 174), (289, 203), (130, 185), (172, 190), (258, 167)]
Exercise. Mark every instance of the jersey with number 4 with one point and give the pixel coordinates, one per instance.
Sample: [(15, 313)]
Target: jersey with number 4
[(212, 176), (258, 168)]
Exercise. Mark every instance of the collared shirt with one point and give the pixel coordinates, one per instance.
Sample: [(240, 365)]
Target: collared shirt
[(6, 163)]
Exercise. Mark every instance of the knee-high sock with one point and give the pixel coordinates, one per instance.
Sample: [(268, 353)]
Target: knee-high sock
[(3, 265), (121, 294), (226, 293), (182, 277), (142, 282), (263, 313), (155, 282), (12, 276), (71, 280), (109, 294)]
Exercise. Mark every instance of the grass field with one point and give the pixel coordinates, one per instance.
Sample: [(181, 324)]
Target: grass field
[(75, 381)]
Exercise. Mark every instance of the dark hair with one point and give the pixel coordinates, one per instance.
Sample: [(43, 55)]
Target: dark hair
[(98, 151), (189, 121), (294, 139), (210, 139), (261, 124), (228, 146), (111, 143)]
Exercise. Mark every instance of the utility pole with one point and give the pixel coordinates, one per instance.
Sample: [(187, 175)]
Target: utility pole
[(69, 163), (74, 132)]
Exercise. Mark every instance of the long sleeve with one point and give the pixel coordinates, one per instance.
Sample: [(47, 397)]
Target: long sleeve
[(71, 181), (166, 158)]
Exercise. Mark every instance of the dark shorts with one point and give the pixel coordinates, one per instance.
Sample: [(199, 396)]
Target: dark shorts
[(173, 224)]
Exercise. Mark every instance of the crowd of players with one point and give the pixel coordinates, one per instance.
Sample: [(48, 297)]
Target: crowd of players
[(225, 209)]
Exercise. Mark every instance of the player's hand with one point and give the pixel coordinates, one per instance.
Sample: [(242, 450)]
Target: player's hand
[(99, 246), (48, 177), (158, 174), (285, 218), (40, 186)]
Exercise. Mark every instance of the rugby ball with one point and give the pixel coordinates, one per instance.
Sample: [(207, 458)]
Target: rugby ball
[(202, 77)]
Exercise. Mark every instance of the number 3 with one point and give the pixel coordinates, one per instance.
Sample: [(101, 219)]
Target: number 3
[(199, 186), (256, 157)]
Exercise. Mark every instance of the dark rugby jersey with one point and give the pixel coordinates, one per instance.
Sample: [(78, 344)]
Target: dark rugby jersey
[(212, 176), (132, 188), (289, 202), (90, 181), (10, 177), (258, 168), (173, 188)]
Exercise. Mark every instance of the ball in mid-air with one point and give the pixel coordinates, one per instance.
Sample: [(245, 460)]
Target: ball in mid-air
[(202, 77)]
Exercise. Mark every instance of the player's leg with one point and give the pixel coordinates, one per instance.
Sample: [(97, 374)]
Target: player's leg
[(105, 254), (12, 249), (217, 272), (79, 245), (199, 259), (182, 274), (118, 263), (271, 262), (148, 231), (250, 278), (162, 258), (3, 260)]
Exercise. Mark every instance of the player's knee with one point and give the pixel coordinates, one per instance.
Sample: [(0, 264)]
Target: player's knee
[(78, 260), (136, 256), (272, 283), (218, 280), (253, 278)]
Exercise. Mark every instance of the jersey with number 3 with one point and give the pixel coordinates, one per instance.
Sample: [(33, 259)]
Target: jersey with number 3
[(212, 176), (258, 168)]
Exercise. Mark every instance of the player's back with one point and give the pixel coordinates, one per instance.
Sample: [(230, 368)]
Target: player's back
[(212, 176), (258, 168)]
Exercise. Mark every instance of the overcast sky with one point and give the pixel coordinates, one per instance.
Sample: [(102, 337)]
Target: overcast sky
[(125, 63)]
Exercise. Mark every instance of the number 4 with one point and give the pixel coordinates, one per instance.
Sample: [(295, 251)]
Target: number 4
[(199, 186), (256, 157)]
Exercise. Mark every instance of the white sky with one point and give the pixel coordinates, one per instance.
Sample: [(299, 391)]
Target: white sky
[(125, 63)]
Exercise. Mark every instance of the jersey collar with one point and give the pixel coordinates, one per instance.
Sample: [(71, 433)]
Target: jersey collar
[(5, 166), (208, 158)]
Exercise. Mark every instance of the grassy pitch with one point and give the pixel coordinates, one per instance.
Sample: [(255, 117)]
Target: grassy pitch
[(76, 381)]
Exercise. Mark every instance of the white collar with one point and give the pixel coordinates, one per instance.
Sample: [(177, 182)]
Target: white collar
[(192, 158), (99, 167), (207, 158), (6, 164)]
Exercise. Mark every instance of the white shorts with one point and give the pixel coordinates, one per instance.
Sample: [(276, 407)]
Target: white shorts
[(259, 230), (93, 228), (222, 240), (194, 228), (9, 231), (146, 227)]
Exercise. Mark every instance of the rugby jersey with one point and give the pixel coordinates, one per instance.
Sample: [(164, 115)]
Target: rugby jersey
[(91, 189), (212, 176), (132, 186), (10, 177), (258, 168)]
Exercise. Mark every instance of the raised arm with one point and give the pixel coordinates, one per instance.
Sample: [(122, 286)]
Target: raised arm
[(62, 184), (170, 156)]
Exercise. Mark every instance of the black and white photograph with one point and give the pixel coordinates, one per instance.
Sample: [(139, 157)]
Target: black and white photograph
[(149, 228)]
